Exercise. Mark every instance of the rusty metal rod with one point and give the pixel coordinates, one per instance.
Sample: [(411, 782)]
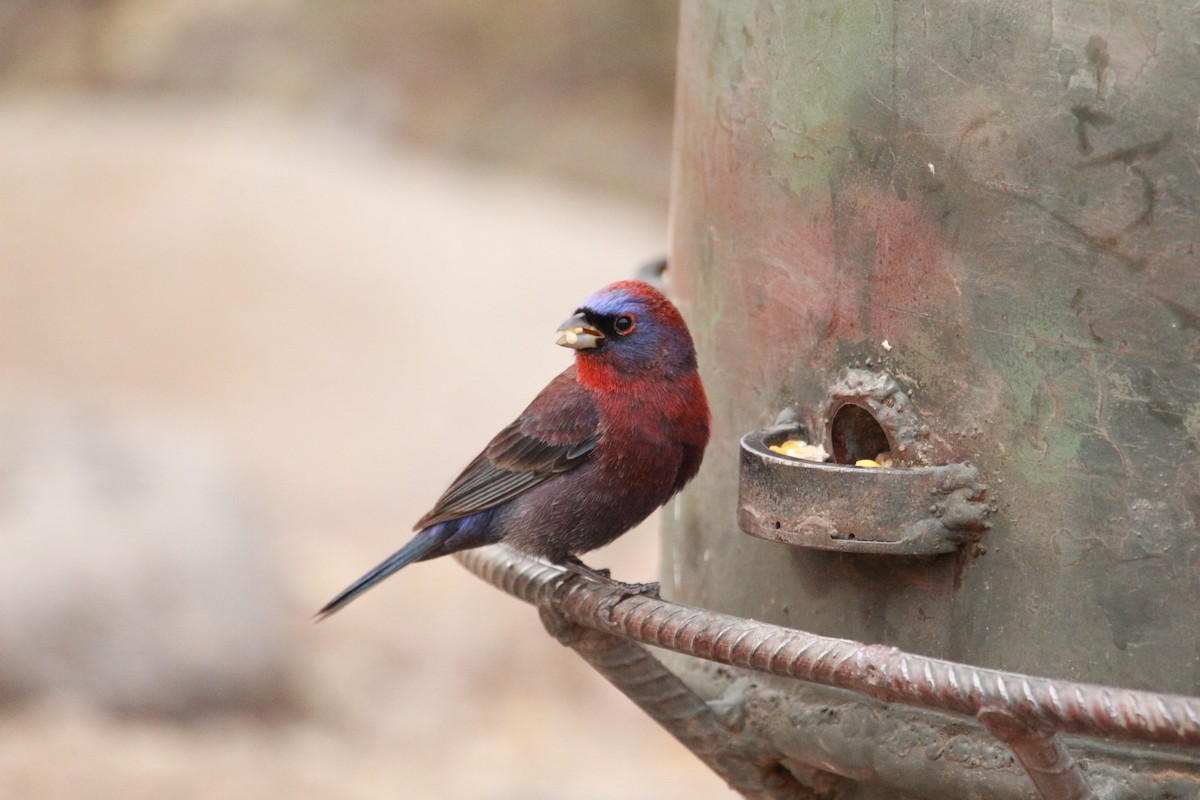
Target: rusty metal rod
[(1054, 772), (883, 672), (674, 706)]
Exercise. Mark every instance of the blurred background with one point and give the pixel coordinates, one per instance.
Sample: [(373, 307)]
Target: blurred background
[(271, 273)]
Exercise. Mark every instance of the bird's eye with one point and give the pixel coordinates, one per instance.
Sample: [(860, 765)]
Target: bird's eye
[(623, 324)]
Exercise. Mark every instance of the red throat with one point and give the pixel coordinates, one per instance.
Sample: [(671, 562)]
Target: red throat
[(596, 374)]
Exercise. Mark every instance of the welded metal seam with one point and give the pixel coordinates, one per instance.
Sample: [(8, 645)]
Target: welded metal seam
[(1096, 710)]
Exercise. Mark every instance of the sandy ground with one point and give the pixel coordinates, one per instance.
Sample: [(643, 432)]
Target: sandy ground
[(349, 325)]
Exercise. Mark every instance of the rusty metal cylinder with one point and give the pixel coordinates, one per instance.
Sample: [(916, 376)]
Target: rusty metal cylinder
[(995, 207)]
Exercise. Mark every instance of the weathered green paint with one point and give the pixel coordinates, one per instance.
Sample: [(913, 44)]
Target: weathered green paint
[(1039, 285)]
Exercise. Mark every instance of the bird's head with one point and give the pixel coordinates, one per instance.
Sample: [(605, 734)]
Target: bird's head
[(629, 327)]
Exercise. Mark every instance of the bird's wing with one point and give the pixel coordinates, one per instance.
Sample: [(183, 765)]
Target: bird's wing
[(557, 432)]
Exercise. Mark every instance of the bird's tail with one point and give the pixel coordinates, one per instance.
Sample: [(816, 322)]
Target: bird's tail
[(421, 545)]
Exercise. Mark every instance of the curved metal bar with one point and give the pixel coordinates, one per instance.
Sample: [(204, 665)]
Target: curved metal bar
[(886, 673), (674, 706), (1046, 761)]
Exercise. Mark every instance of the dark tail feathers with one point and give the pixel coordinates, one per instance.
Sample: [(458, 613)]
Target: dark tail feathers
[(421, 545)]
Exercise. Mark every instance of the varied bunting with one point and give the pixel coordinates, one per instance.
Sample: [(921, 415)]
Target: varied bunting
[(608, 441)]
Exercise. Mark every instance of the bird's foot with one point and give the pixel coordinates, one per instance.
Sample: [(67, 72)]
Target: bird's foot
[(640, 589), (573, 564), (604, 578)]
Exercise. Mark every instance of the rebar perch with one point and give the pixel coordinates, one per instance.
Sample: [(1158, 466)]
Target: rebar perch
[(1028, 713)]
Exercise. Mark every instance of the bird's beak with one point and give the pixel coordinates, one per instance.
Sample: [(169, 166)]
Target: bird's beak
[(578, 334)]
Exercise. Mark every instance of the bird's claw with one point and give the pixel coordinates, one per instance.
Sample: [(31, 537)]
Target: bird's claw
[(641, 589), (604, 578), (573, 564)]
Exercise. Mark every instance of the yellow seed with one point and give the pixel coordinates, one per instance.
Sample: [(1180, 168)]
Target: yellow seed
[(867, 462), (798, 448)]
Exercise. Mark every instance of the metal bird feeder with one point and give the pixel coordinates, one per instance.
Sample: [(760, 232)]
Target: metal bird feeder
[(969, 232), (916, 507)]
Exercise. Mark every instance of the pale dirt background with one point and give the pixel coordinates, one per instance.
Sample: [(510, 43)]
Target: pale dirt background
[(349, 325), (328, 251)]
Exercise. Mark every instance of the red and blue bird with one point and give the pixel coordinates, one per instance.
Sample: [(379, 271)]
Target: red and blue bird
[(608, 441)]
